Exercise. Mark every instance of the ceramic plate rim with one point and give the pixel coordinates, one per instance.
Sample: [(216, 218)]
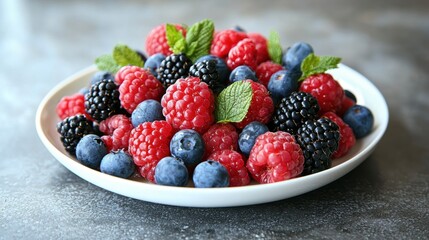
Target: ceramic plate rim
[(214, 197)]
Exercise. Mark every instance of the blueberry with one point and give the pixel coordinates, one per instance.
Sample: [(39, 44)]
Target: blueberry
[(100, 75), (239, 29), (221, 66), (360, 119), (141, 55), (147, 111), (350, 95), (119, 164), (90, 150), (153, 62), (210, 174), (295, 54), (283, 83), (248, 136), (242, 72), (188, 146), (84, 91), (171, 172)]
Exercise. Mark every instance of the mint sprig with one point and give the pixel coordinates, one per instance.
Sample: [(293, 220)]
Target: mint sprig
[(197, 42), (313, 64), (175, 39), (232, 104), (274, 47), (122, 55), (199, 37), (107, 63)]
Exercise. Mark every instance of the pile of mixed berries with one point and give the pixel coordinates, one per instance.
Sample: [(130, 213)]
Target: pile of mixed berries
[(220, 108)]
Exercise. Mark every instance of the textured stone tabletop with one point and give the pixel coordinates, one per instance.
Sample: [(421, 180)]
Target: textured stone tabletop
[(386, 197)]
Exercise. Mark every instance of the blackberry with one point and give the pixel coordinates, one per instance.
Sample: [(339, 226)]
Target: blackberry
[(318, 140), (72, 129), (102, 100), (222, 68), (173, 67), (293, 111), (207, 71)]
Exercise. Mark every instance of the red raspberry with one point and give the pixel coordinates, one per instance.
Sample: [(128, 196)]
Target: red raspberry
[(244, 53), (220, 136), (347, 138), (275, 157), (120, 75), (326, 90), (156, 41), (234, 164), (261, 45), (138, 85), (71, 105), (265, 70), (345, 105), (117, 129), (261, 107), (149, 143), (189, 104), (223, 41)]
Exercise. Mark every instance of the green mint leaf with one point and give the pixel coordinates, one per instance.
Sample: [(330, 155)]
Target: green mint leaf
[(107, 63), (200, 35), (179, 46), (274, 47), (233, 102), (175, 39), (124, 55), (313, 64), (191, 48)]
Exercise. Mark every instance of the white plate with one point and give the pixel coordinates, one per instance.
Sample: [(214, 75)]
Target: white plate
[(366, 93)]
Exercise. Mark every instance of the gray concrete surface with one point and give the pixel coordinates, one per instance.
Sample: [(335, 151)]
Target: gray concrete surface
[(386, 197)]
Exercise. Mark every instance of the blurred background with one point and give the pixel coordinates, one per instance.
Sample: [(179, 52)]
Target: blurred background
[(44, 41)]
